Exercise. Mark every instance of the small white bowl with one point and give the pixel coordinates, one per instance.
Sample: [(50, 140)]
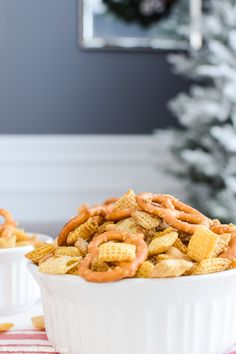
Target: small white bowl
[(18, 289), (194, 314)]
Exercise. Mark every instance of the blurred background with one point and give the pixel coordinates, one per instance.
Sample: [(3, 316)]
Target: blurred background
[(50, 85), (98, 96)]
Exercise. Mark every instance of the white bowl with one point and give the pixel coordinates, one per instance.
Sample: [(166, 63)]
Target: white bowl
[(194, 314), (18, 289)]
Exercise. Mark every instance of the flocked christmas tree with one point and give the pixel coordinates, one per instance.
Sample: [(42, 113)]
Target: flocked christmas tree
[(205, 147)]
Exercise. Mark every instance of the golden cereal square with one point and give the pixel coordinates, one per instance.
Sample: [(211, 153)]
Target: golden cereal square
[(36, 255), (162, 257), (145, 270), (116, 252), (84, 231), (128, 225), (145, 220), (211, 265), (179, 244), (162, 243), (177, 254), (104, 227), (82, 246), (203, 244), (59, 264), (163, 232), (128, 200), (67, 251), (171, 268)]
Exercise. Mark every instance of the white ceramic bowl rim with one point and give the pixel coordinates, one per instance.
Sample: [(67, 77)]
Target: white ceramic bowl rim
[(41, 237), (180, 280)]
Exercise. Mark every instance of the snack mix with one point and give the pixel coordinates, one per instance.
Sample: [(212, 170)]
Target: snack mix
[(139, 236), (11, 236)]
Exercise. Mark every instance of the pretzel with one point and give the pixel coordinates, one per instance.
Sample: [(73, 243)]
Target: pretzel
[(174, 212), (117, 215), (109, 201), (230, 252), (8, 219), (78, 220), (104, 208), (8, 230), (111, 207), (125, 269)]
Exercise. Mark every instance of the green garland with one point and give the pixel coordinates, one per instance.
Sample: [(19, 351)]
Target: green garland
[(129, 11)]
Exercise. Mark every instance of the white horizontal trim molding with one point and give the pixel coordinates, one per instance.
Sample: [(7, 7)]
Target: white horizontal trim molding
[(45, 178)]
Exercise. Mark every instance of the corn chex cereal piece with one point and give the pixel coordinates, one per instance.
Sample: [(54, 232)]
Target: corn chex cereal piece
[(179, 244), (36, 255), (82, 246), (145, 270), (171, 268), (21, 235), (222, 243), (67, 251), (104, 227), (4, 327), (163, 232), (7, 242), (211, 265), (128, 225), (128, 200), (162, 243), (99, 266), (177, 254), (84, 231), (224, 240), (59, 264), (203, 244), (39, 244), (162, 257), (145, 220), (116, 252), (38, 323)]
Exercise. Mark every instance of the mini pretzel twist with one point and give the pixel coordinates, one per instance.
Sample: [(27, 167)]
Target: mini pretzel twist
[(109, 201), (125, 269), (78, 220), (174, 212), (8, 219), (8, 226)]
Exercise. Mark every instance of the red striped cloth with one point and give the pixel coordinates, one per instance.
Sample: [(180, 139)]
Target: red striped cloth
[(232, 350), (34, 342), (25, 342)]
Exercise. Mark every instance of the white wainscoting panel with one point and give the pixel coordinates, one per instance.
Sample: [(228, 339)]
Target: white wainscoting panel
[(45, 178)]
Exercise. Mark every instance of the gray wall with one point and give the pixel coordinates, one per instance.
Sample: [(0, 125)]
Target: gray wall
[(49, 85)]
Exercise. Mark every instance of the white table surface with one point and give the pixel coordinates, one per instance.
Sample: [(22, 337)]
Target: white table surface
[(22, 320)]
